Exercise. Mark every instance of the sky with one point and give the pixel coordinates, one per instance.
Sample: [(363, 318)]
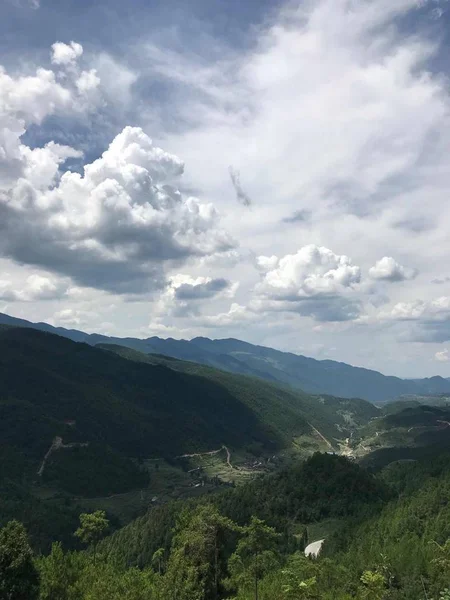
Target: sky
[(277, 172)]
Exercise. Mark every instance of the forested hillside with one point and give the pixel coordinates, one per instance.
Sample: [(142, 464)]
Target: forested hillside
[(390, 541), (310, 375), (81, 422), (405, 431)]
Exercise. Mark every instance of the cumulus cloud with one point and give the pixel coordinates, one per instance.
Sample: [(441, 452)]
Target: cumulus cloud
[(206, 288), (66, 54), (241, 195), (442, 356), (434, 310), (36, 287), (236, 317), (312, 271), (184, 294), (313, 282), (388, 269), (87, 81), (115, 225), (430, 319)]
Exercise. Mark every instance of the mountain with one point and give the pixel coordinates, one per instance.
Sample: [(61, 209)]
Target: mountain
[(78, 421), (301, 372), (404, 431)]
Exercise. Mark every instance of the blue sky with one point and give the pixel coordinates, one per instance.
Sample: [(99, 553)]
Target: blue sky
[(272, 171)]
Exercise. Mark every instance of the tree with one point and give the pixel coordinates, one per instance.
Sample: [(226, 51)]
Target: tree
[(92, 528), (19, 579), (60, 573), (256, 554), (299, 578), (194, 566), (157, 559), (374, 586)]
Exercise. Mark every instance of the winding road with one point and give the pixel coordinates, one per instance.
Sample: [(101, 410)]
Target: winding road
[(210, 453)]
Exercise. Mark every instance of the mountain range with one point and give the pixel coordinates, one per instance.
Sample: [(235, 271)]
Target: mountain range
[(236, 356), (78, 421)]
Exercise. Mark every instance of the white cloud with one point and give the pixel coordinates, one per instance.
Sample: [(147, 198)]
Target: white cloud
[(316, 112), (310, 272), (114, 227), (66, 54), (87, 81), (35, 288), (70, 317), (434, 310), (430, 319), (116, 79), (313, 282), (388, 269), (236, 317), (185, 295), (442, 356)]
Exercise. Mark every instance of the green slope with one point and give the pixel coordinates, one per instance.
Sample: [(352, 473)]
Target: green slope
[(405, 430), (405, 536), (310, 375), (279, 405), (322, 487), (98, 416)]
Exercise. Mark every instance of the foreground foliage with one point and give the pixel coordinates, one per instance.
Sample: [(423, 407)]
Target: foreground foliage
[(396, 548)]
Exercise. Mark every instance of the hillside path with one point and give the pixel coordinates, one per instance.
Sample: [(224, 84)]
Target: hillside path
[(322, 436), (58, 444), (210, 453)]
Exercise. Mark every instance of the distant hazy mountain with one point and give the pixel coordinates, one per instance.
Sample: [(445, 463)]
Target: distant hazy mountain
[(308, 374)]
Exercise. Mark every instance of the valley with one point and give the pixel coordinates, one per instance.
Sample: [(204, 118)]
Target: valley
[(148, 438)]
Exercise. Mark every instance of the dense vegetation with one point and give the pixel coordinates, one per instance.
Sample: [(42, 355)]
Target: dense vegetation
[(97, 416), (81, 423), (393, 542), (403, 433), (310, 375), (324, 486)]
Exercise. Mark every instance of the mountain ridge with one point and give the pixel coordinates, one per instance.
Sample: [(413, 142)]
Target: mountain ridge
[(237, 356)]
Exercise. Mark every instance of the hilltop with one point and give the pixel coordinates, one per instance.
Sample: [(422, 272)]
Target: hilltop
[(300, 372)]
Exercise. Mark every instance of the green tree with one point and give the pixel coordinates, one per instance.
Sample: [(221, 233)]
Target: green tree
[(195, 566), (374, 586), (299, 578), (158, 559), (60, 573), (19, 579), (103, 581), (255, 556), (92, 528)]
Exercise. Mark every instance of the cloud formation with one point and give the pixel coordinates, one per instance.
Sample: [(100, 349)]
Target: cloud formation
[(442, 356), (242, 197), (315, 108), (113, 227), (313, 282), (36, 287), (388, 269), (298, 216), (430, 319), (185, 295), (66, 54)]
